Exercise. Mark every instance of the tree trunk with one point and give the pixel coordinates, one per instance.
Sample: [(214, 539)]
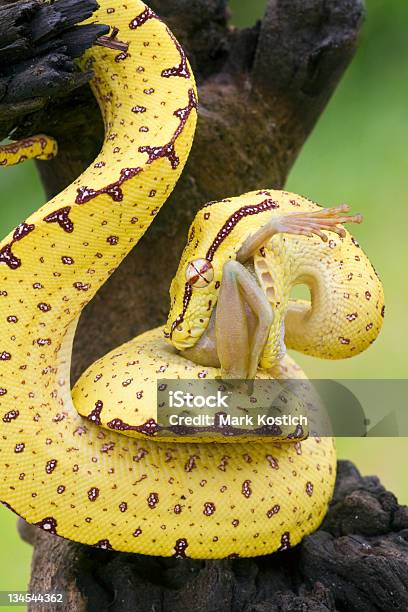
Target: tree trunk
[(261, 89)]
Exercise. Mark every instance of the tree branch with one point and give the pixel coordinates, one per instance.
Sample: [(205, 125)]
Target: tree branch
[(38, 43), (302, 65)]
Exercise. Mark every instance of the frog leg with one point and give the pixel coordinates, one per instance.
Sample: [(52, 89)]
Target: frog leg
[(306, 223), (241, 337)]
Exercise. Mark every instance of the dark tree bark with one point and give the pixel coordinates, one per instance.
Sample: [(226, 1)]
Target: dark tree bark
[(261, 91), (38, 43)]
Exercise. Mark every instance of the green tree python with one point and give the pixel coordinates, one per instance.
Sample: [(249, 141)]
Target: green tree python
[(90, 465)]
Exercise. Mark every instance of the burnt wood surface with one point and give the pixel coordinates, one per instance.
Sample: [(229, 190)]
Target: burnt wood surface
[(38, 45)]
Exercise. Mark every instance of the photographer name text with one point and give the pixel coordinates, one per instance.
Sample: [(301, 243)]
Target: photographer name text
[(228, 420)]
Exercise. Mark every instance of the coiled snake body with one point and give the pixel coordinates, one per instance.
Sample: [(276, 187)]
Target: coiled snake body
[(79, 476)]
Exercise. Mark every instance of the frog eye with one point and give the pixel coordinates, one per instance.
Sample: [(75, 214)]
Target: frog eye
[(199, 273)]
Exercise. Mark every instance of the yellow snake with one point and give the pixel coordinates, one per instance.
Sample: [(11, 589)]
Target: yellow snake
[(84, 477)]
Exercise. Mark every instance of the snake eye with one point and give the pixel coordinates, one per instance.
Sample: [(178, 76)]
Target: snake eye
[(199, 273)]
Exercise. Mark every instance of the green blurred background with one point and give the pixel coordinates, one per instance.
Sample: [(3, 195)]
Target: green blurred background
[(357, 154)]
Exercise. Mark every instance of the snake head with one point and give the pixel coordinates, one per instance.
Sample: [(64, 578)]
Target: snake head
[(216, 235)]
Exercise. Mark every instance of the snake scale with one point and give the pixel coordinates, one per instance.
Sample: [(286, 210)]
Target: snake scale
[(71, 462)]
